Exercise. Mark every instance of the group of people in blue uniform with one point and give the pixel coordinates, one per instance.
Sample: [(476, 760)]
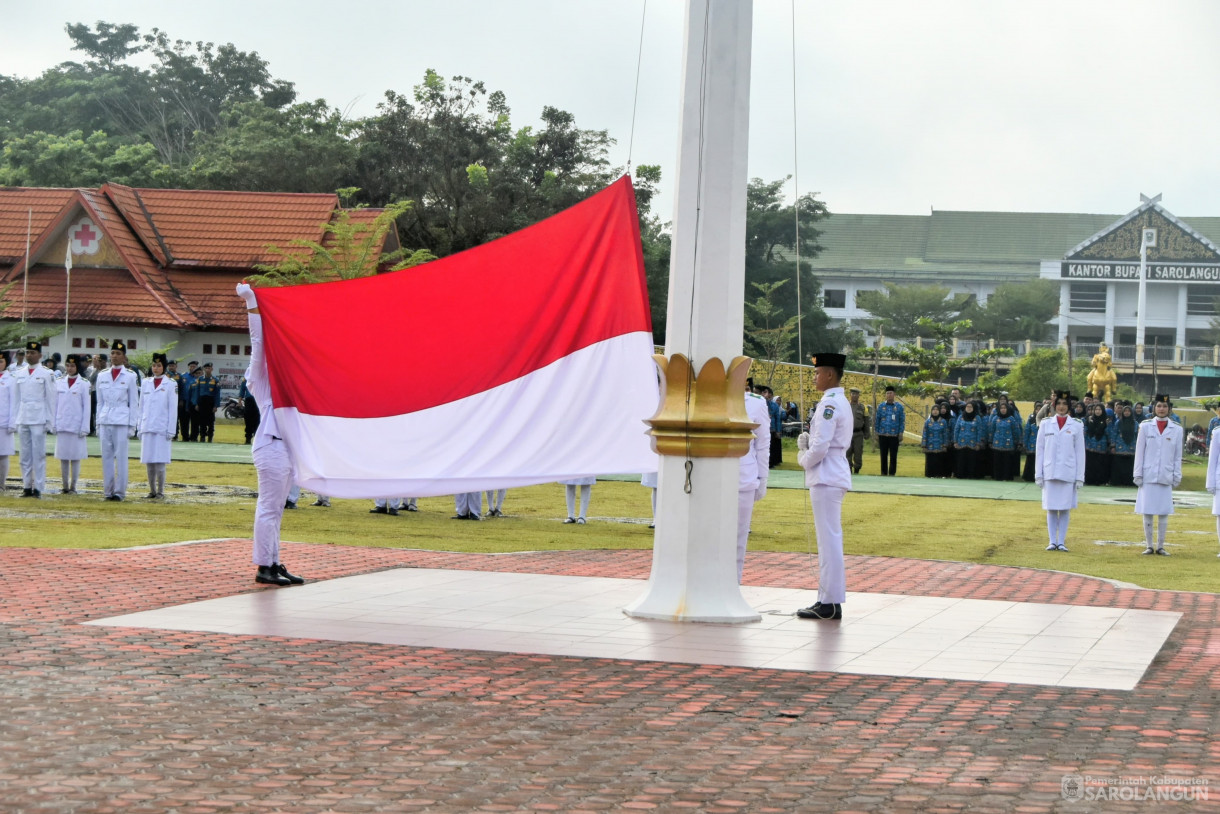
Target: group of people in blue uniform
[(970, 439)]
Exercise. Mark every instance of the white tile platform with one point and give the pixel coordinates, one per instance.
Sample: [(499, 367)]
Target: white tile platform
[(881, 634)]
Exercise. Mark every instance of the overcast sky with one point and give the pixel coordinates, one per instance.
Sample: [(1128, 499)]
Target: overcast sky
[(900, 106)]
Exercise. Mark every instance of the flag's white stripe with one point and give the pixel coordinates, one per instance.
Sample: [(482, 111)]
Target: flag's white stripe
[(581, 415)]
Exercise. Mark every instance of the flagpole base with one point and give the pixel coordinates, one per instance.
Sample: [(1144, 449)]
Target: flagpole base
[(694, 555)]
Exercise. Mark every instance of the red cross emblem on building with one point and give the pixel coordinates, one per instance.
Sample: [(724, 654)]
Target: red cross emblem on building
[(85, 237)]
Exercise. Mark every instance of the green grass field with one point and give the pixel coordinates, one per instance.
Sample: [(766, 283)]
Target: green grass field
[(208, 500)]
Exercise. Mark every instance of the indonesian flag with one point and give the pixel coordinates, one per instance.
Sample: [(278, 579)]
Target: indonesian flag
[(525, 360)]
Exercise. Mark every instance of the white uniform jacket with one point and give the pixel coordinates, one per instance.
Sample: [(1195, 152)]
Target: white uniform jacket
[(158, 407), (35, 395), (72, 406), (1158, 455), (756, 464), (1060, 454), (8, 402), (118, 399), (825, 462)]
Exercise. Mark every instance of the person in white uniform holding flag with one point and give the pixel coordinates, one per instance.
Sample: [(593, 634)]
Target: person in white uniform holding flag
[(35, 418), (272, 462), (1157, 471), (72, 407), (823, 456)]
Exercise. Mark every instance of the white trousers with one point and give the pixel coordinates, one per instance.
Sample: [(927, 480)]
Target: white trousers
[(274, 469), (745, 511), (114, 458), (33, 440), (827, 504), (569, 494), (468, 503), (495, 499), (388, 503)]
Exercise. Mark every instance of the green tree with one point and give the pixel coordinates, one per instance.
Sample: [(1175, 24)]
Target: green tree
[(1043, 371), (349, 249), (768, 334), (932, 363), (1017, 311), (42, 159), (898, 310)]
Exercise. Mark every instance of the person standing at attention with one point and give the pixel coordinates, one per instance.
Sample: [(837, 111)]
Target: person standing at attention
[(71, 423), (753, 471), (823, 456), (859, 431), (1157, 471), (35, 417), (118, 412), (889, 424), (158, 418), (1059, 467)]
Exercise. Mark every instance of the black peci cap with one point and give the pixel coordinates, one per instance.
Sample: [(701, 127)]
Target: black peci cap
[(829, 360)]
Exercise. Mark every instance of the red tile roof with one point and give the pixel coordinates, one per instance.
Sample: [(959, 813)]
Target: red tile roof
[(184, 250)]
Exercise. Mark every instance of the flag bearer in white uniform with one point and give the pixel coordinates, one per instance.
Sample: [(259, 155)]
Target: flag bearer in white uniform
[(1059, 468), (272, 462), (823, 456), (8, 422), (158, 421), (118, 414), (72, 407), (1157, 471), (35, 418), (753, 470)]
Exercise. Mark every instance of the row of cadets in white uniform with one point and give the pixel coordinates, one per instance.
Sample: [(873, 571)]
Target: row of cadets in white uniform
[(1157, 471), (823, 456), (1213, 476)]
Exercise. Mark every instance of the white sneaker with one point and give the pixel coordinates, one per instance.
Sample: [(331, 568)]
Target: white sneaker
[(1051, 547), (1162, 552), (1149, 551), (580, 521), (1061, 547)]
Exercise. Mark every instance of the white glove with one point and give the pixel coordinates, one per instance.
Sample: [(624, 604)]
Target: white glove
[(82, 434), (1038, 482), (1211, 490), (761, 491), (1138, 481), (169, 436), (247, 293), (1176, 483), (1079, 483), (802, 441), (50, 430), (131, 432)]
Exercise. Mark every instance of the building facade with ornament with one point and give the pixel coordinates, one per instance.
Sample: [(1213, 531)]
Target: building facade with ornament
[(155, 268)]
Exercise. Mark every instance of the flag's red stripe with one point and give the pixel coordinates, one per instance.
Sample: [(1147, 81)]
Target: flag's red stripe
[(431, 335)]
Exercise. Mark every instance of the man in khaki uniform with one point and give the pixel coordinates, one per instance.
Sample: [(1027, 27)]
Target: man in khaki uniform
[(859, 431)]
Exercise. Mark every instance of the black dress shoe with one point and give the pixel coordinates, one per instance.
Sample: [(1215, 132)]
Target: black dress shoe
[(270, 575), (393, 512), (283, 572), (36, 493), (379, 510), (819, 611), (460, 517), (150, 496), (289, 505), (27, 492)]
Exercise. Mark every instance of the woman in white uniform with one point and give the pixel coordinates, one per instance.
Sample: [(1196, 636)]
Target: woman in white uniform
[(1059, 468), (158, 422), (1213, 475), (8, 421), (72, 404), (1157, 471), (586, 492)]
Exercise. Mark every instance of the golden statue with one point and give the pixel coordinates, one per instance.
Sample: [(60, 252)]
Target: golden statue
[(1102, 378)]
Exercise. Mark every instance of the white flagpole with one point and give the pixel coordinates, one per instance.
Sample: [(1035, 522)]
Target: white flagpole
[(67, 291), (25, 273)]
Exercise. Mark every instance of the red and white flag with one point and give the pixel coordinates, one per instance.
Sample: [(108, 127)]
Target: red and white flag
[(525, 360)]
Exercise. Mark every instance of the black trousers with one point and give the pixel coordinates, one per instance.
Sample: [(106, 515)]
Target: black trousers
[(889, 454), (205, 417), (252, 417)]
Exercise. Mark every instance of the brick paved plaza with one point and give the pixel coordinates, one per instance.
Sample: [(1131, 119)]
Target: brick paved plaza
[(98, 719)]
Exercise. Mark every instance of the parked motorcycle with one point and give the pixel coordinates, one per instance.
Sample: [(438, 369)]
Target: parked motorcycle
[(233, 409)]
